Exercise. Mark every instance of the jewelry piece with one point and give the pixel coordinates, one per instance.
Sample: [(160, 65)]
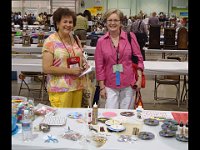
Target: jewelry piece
[(44, 127)]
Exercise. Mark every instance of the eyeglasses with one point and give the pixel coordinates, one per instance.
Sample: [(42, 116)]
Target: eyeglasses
[(110, 21)]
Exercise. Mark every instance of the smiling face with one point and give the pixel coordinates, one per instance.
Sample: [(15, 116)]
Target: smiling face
[(113, 23), (65, 26)]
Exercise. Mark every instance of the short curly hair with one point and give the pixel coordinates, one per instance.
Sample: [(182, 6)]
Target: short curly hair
[(60, 12)]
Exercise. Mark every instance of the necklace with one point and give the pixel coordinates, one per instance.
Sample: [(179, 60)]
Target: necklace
[(66, 40), (68, 43), (115, 41)]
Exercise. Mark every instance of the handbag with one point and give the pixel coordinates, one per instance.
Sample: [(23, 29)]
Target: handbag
[(135, 66), (142, 37), (96, 95), (138, 100), (88, 93)]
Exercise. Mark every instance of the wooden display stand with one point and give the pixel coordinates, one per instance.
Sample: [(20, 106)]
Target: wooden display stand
[(169, 38), (182, 38), (40, 40), (154, 37), (26, 40)]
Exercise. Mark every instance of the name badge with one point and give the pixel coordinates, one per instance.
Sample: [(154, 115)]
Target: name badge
[(73, 62), (117, 67)]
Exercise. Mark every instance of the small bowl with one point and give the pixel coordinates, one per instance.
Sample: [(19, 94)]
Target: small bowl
[(18, 99), (98, 140)]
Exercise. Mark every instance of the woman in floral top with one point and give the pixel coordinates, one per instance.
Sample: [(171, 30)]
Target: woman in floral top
[(63, 62)]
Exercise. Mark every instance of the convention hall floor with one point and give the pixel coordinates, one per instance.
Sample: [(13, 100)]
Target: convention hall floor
[(147, 94)]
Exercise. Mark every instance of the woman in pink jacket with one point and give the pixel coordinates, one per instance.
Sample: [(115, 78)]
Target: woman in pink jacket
[(113, 63)]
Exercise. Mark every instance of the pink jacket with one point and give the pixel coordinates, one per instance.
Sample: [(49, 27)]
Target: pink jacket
[(105, 58)]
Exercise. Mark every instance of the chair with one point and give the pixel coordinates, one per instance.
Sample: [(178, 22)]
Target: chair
[(173, 80), (41, 77), (184, 93)]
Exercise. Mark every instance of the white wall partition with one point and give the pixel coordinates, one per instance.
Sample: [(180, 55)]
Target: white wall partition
[(31, 6), (153, 5), (129, 7), (124, 6), (64, 4), (37, 6), (92, 3)]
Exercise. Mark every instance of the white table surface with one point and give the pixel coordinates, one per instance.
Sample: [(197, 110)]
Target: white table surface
[(150, 67), (21, 64), (32, 65), (89, 49), (165, 68), (158, 143), (27, 49), (34, 49), (30, 26), (174, 51)]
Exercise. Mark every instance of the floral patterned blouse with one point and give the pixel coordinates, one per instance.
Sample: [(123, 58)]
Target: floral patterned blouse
[(62, 83)]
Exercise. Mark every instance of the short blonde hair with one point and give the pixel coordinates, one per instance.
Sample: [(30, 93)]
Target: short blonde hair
[(113, 11)]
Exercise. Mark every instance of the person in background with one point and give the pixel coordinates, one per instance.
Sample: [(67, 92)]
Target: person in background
[(113, 63), (129, 23), (87, 14), (140, 26), (81, 27), (63, 62), (39, 18), (153, 20)]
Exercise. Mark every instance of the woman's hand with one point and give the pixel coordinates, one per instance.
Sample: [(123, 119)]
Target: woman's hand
[(103, 93), (85, 66), (76, 71), (138, 83)]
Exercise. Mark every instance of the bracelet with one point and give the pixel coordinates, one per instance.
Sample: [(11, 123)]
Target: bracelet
[(102, 88)]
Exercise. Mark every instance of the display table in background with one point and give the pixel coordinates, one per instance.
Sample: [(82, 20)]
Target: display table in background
[(150, 67), (35, 49)]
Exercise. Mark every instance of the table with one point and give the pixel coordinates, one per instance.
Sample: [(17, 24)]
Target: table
[(166, 51), (30, 26), (27, 49), (165, 68), (150, 67), (34, 49), (32, 65), (89, 49), (173, 51), (112, 144)]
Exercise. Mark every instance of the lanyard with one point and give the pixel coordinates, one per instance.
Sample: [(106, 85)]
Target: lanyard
[(65, 46), (117, 51)]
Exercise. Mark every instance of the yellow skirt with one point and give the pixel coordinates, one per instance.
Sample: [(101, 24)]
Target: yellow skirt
[(71, 99)]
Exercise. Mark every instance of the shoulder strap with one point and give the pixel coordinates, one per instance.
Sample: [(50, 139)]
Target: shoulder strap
[(76, 39), (139, 26), (129, 38), (134, 58)]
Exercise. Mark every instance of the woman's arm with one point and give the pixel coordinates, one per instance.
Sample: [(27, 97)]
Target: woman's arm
[(49, 68)]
